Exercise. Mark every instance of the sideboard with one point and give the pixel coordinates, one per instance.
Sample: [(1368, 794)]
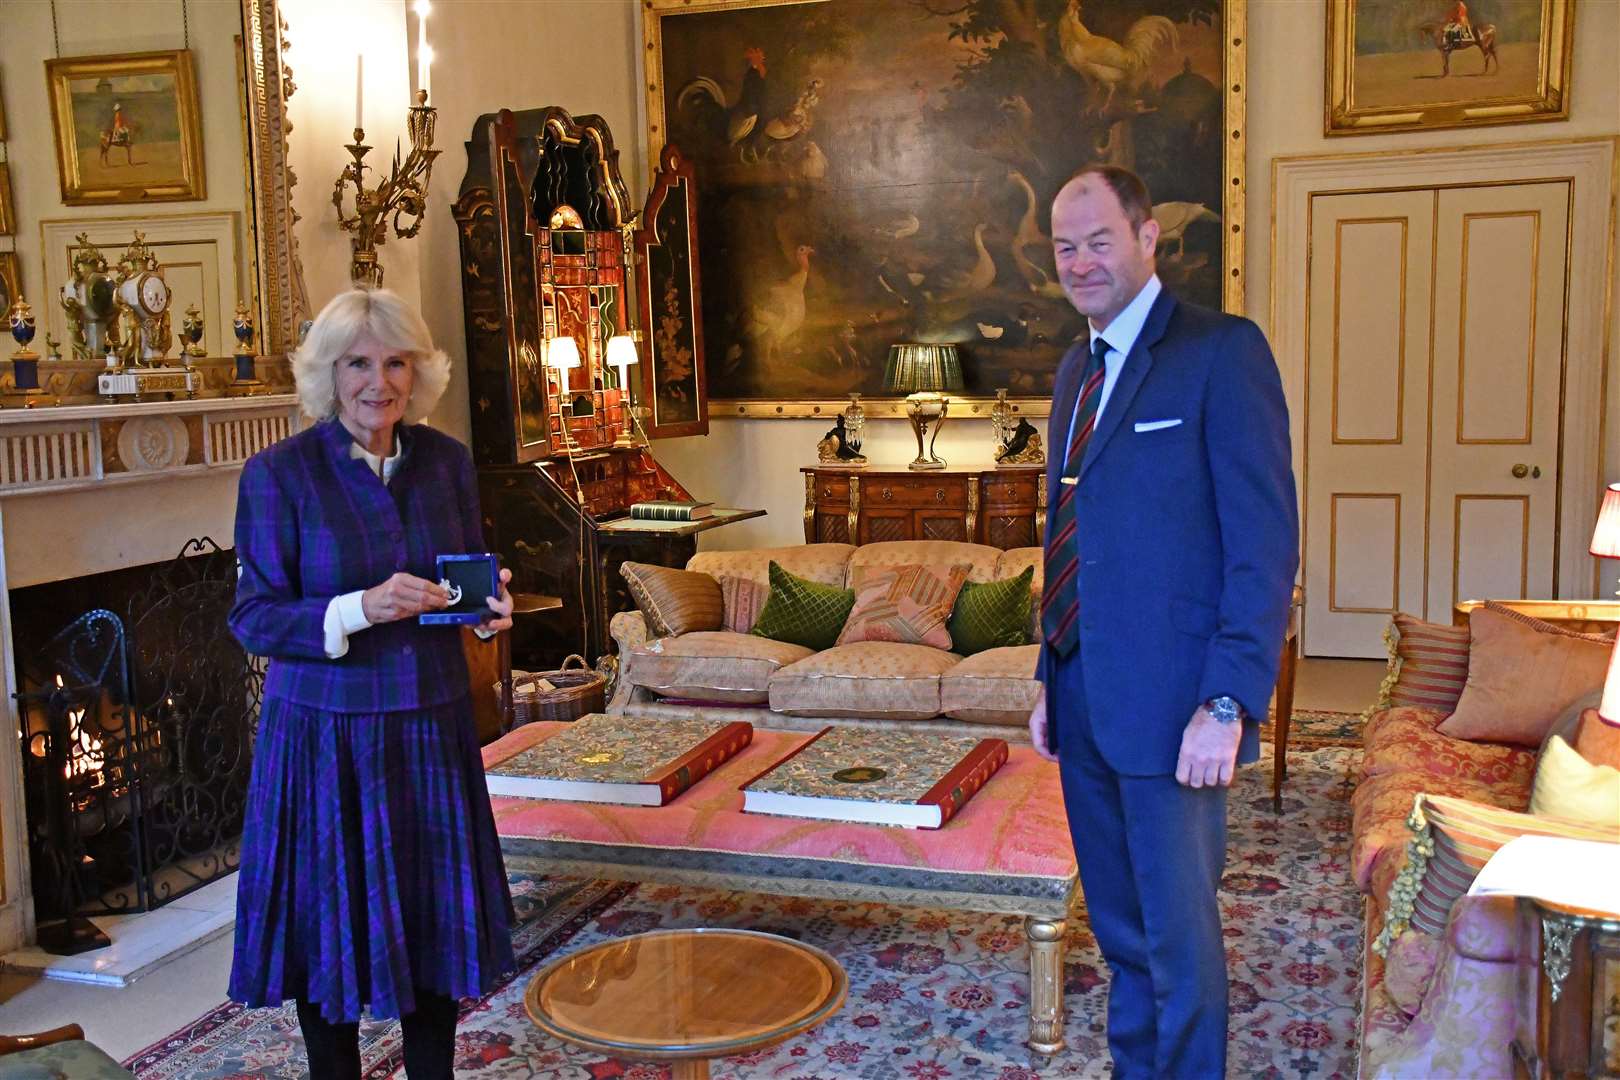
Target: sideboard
[(1003, 507)]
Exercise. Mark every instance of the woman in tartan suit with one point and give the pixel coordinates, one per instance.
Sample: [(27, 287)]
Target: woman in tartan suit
[(371, 876)]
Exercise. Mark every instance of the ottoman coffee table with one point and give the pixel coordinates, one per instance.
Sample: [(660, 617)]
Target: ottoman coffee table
[(1007, 852), (686, 996)]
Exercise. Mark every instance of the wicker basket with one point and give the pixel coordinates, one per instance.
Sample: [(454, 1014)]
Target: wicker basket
[(578, 690)]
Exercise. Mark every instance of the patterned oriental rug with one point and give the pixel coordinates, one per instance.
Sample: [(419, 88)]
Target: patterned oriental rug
[(933, 995), (1312, 729)]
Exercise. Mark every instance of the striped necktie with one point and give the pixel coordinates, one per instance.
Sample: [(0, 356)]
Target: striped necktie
[(1060, 600)]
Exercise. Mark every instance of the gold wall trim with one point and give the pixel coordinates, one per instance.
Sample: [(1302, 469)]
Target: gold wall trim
[(282, 300), (1400, 359), (1524, 542), (1333, 554), (1462, 328)]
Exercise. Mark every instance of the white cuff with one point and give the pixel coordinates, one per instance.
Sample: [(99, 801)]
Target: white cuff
[(345, 615), (483, 634)]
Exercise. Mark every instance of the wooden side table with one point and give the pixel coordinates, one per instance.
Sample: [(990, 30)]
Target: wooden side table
[(1003, 507), (686, 996), (1283, 713), (1567, 1021)]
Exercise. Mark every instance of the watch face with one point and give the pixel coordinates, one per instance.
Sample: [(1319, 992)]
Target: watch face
[(154, 294)]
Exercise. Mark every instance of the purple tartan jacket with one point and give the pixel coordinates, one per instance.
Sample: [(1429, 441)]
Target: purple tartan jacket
[(313, 523)]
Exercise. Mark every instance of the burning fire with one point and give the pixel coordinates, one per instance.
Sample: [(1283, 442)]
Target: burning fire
[(84, 749)]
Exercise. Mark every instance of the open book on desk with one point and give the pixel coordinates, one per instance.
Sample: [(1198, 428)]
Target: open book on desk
[(1554, 869)]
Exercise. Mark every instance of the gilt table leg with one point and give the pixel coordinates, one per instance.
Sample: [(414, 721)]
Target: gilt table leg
[(1045, 984), (689, 1069)]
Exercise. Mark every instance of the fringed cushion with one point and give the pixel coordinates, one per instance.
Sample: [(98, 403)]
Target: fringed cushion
[(1452, 839)]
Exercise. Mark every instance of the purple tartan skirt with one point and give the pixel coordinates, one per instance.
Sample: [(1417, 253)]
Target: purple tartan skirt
[(370, 864)]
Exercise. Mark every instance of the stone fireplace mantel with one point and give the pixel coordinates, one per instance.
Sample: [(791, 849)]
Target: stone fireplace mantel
[(90, 488)]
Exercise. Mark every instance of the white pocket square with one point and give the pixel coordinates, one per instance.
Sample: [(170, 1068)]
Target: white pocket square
[(1154, 425)]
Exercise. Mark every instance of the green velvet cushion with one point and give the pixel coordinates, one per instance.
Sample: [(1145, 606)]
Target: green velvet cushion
[(803, 612), (75, 1059), (992, 615)]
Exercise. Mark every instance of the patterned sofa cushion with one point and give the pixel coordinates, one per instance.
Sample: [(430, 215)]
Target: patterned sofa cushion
[(714, 665), (871, 679), (996, 686), (1015, 561), (744, 576), (1380, 806), (1406, 740), (980, 559)]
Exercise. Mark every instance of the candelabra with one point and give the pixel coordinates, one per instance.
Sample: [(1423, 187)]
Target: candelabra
[(403, 194)]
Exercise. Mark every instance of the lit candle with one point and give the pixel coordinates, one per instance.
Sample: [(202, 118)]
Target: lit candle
[(424, 55), (359, 89)]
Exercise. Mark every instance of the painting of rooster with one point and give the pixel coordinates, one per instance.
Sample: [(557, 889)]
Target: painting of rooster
[(874, 171)]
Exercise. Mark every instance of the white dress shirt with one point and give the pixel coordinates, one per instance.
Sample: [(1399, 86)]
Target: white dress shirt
[(1121, 335)]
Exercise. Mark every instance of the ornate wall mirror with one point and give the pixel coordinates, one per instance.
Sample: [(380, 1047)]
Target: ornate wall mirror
[(223, 235)]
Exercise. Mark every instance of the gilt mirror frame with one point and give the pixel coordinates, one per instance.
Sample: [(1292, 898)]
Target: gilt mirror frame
[(281, 302), (1232, 47)]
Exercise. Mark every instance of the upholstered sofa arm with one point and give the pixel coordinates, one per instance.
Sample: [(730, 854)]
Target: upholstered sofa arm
[(629, 630)]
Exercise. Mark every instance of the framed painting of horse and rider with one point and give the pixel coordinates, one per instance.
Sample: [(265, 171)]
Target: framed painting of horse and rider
[(128, 128), (1418, 65)]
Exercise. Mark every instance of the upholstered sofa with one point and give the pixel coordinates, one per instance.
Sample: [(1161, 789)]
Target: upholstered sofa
[(869, 682), (1440, 1006)]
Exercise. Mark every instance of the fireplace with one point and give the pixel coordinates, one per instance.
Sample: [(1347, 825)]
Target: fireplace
[(137, 713)]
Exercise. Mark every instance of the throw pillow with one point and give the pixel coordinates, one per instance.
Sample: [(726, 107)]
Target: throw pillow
[(1597, 740), (992, 614), (803, 612), (1522, 674), (1570, 787), (1430, 663), (674, 601), (910, 605), (1452, 839)]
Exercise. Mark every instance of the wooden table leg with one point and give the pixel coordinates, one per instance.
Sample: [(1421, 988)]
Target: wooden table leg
[(1045, 984), (1281, 719), (689, 1069)]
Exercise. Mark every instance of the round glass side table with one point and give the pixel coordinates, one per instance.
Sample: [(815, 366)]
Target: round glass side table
[(686, 996)]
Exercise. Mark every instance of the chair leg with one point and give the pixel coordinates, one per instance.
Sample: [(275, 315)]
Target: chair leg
[(1281, 720)]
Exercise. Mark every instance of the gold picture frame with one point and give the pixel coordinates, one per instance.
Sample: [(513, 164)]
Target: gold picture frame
[(10, 282), (1219, 26), (157, 133), (8, 209), (1393, 66)]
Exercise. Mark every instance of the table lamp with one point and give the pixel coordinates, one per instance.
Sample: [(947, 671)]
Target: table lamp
[(924, 373), (1606, 545), (562, 355), (621, 354)]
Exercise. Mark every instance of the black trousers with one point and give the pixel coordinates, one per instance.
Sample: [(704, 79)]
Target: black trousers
[(430, 1040)]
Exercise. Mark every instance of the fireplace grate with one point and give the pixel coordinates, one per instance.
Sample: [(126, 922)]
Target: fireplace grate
[(137, 739)]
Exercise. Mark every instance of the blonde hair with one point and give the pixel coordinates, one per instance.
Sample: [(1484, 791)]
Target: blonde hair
[(394, 323)]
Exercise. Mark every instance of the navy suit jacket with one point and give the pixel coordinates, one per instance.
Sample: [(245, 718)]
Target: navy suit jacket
[(1188, 535)]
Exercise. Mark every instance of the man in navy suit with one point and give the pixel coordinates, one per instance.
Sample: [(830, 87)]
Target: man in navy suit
[(1170, 558)]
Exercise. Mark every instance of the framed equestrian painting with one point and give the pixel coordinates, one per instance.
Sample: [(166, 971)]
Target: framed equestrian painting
[(10, 281), (1420, 65), (869, 173), (128, 129), (8, 211)]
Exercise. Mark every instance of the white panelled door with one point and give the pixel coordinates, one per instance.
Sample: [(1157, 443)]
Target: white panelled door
[(1434, 363)]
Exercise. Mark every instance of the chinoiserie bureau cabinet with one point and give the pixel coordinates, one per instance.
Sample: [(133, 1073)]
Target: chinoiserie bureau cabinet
[(1005, 508)]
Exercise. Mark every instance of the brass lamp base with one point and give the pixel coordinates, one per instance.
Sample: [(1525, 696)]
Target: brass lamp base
[(923, 408)]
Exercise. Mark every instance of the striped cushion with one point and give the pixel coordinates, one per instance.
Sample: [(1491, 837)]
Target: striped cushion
[(674, 601), (1432, 664), (1452, 839), (909, 605)]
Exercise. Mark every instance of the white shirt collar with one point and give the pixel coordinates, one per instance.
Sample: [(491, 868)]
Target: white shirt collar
[(381, 466), (1121, 334)]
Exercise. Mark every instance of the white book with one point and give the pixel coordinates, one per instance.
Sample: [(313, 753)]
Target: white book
[(1577, 873)]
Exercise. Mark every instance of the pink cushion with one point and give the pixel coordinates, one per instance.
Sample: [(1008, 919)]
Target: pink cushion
[(1014, 825)]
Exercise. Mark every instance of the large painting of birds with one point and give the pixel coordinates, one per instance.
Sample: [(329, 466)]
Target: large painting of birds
[(881, 171)]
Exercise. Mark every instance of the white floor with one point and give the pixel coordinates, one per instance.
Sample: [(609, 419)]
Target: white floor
[(122, 1021)]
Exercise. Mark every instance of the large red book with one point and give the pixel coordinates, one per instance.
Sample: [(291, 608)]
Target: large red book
[(918, 780), (617, 759)]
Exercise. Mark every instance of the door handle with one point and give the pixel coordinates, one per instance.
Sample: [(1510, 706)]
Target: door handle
[(1521, 470)]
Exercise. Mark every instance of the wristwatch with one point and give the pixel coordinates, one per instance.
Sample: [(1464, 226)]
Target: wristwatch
[(1225, 709)]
